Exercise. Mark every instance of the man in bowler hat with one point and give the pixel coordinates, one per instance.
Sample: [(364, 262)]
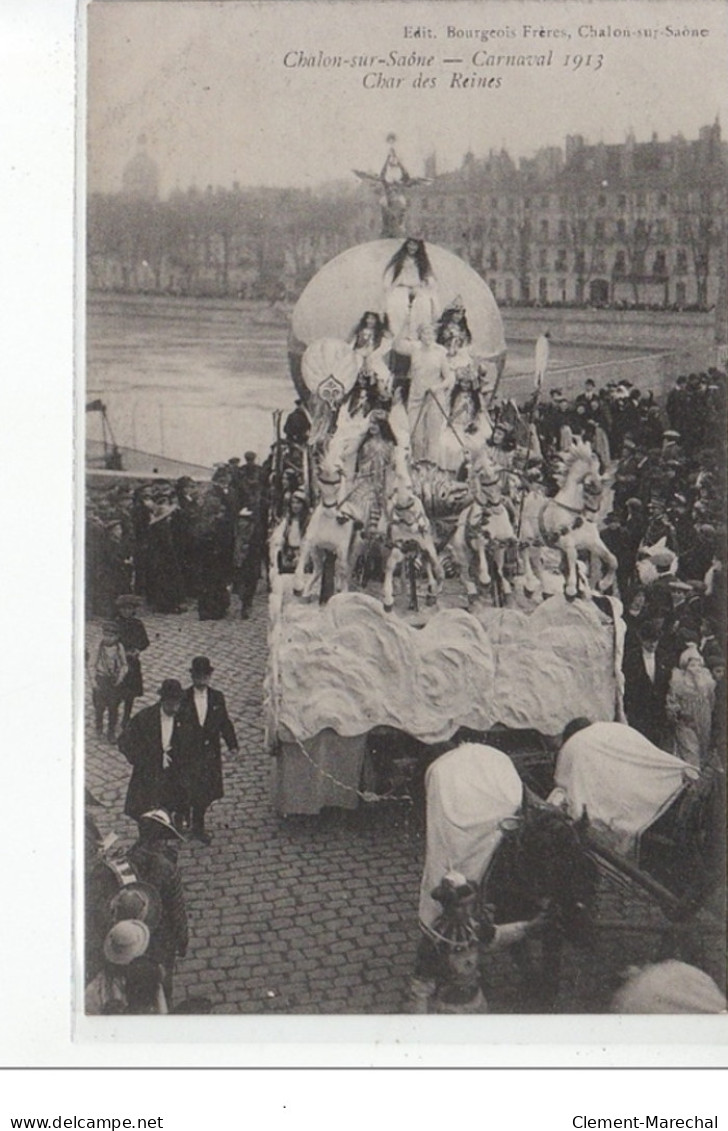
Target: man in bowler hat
[(150, 744), (203, 724)]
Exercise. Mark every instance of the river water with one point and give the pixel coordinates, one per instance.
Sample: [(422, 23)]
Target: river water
[(198, 380)]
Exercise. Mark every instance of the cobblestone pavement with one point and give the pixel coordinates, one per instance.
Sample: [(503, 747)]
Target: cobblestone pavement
[(318, 914)]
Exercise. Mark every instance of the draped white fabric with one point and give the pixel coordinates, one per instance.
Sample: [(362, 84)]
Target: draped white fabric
[(350, 666), (668, 987), (618, 775), (470, 790)]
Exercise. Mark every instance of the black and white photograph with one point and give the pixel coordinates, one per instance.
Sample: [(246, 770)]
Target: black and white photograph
[(402, 509)]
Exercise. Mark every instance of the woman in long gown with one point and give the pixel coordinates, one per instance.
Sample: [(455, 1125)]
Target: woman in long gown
[(427, 403), (287, 538), (466, 429), (410, 296), (373, 475), (165, 583)]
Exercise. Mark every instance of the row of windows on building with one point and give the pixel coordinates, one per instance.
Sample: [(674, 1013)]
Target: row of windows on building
[(639, 263), (696, 199), (551, 290), (659, 230)]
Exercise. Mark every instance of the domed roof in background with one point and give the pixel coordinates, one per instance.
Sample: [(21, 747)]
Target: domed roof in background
[(141, 174)]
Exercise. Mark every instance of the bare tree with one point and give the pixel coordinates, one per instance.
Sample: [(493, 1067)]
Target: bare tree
[(700, 220), (585, 241), (635, 236)]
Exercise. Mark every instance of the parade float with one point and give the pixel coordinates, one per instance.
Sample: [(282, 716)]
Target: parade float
[(413, 548)]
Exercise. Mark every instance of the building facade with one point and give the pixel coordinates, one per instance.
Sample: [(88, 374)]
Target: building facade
[(639, 224)]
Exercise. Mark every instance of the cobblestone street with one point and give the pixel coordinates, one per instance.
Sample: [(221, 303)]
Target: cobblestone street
[(319, 914)]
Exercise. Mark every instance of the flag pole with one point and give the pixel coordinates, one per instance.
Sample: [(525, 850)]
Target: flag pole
[(541, 359)]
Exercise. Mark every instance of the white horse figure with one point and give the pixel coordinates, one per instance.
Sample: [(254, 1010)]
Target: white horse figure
[(566, 522), (484, 526), (409, 531), (332, 528)]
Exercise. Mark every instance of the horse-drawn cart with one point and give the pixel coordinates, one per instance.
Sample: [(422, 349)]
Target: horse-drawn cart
[(617, 813)]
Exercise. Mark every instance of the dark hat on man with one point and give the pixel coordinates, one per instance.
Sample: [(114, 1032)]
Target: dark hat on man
[(128, 601), (170, 689), (251, 457), (713, 654), (201, 666)]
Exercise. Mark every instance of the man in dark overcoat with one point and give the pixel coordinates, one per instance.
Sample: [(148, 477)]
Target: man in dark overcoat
[(203, 723), (647, 666), (150, 744)]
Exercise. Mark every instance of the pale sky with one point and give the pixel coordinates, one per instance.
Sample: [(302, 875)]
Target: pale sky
[(206, 83)]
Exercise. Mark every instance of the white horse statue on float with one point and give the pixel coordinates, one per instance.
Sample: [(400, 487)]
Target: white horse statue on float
[(567, 522), (409, 531), (332, 529), (484, 527)]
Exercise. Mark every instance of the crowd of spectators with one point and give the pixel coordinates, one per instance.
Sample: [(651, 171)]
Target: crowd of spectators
[(174, 543), (667, 529), (606, 417), (167, 544)]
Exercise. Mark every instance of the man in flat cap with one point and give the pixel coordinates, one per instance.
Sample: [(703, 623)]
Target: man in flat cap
[(203, 724), (628, 474), (671, 446), (150, 744)]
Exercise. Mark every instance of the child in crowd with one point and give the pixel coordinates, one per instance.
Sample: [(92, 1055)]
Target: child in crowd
[(109, 672)]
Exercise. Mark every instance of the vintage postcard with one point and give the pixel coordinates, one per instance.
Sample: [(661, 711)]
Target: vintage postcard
[(404, 532)]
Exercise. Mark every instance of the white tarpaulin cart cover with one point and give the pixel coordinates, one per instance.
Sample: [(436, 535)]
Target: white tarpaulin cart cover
[(470, 790), (622, 780)]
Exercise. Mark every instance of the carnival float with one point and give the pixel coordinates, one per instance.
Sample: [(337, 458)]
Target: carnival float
[(415, 539), (442, 609)]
